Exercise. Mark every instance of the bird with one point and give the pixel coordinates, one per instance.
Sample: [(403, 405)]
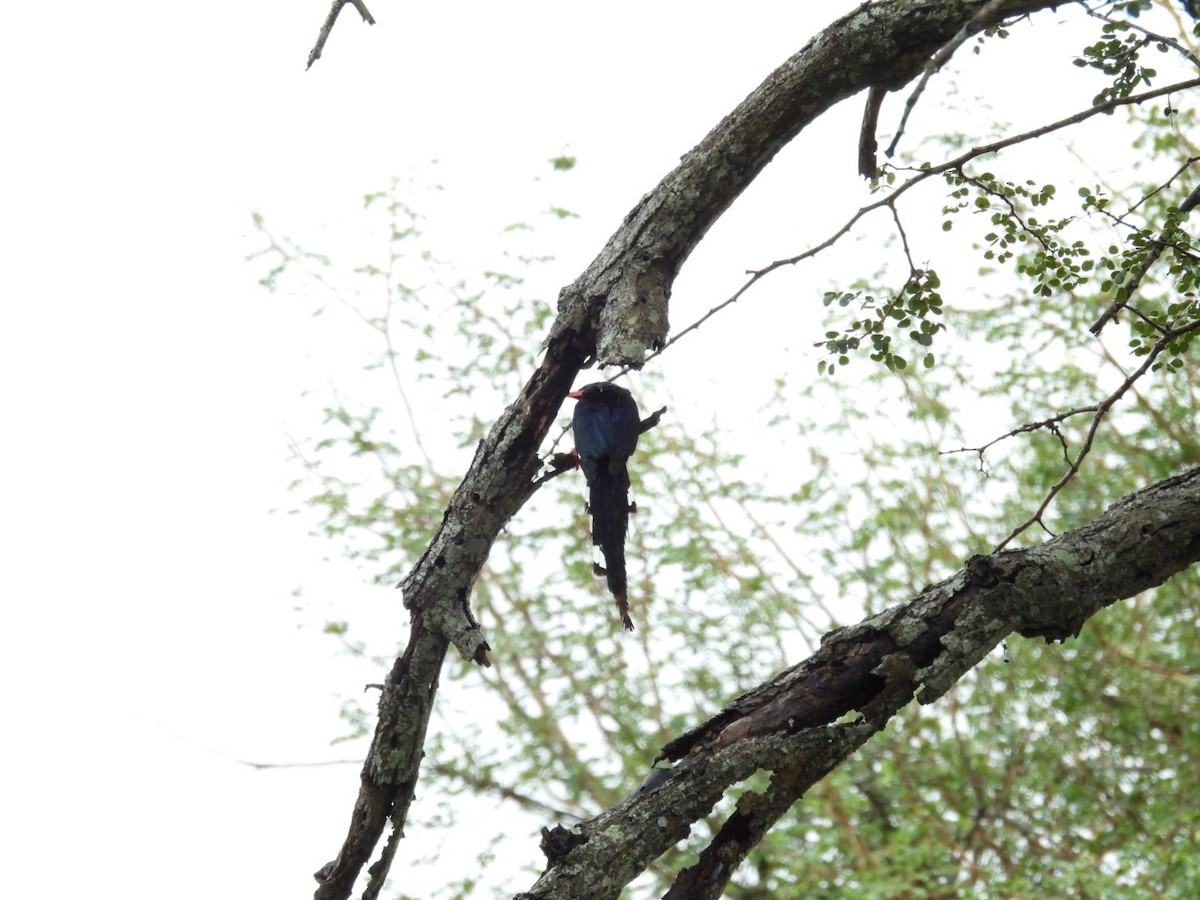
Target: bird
[(606, 425)]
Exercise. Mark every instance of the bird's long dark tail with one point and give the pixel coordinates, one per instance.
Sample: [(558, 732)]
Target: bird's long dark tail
[(609, 500)]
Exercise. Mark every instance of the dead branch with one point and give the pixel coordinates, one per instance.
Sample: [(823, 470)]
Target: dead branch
[(327, 27)]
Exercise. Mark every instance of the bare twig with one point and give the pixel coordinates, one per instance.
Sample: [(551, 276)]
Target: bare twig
[(334, 9), (1051, 424), (565, 462), (912, 266), (1187, 164), (262, 766), (989, 15)]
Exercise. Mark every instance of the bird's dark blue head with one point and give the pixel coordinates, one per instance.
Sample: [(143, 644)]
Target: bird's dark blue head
[(606, 425)]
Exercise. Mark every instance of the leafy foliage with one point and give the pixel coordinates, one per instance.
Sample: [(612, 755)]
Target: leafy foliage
[(1118, 55), (916, 306)]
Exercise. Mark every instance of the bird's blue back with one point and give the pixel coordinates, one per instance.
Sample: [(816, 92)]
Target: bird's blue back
[(605, 431)]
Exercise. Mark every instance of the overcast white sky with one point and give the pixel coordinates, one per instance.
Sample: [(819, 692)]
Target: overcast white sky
[(149, 384)]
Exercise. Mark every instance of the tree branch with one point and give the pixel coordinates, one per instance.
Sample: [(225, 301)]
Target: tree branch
[(622, 297), (805, 721), (991, 13), (389, 775), (613, 313), (327, 27)]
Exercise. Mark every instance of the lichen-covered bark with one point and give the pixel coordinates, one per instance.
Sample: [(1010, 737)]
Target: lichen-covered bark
[(806, 720), (437, 593)]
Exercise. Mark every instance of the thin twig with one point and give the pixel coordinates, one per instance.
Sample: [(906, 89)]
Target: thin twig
[(1187, 164), (565, 462), (1102, 409), (988, 16), (299, 765), (1050, 424)]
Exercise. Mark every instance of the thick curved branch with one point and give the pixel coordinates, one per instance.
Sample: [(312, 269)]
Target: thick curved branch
[(806, 720), (389, 774)]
